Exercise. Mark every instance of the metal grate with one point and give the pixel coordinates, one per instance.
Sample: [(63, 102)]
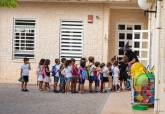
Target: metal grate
[(24, 34), (71, 39)]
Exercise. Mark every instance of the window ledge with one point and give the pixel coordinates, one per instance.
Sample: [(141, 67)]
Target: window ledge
[(21, 60)]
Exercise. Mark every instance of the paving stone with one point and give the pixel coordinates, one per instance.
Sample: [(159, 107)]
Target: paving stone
[(13, 101)]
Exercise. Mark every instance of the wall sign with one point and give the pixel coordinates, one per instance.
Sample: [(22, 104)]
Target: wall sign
[(90, 18)]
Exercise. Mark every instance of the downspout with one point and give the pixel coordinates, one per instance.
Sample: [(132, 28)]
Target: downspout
[(158, 72)]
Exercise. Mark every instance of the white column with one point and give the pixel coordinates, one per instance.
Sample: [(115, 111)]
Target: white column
[(105, 33), (161, 102), (158, 64)]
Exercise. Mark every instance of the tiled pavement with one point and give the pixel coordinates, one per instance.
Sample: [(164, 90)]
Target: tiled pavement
[(119, 103), (13, 101)]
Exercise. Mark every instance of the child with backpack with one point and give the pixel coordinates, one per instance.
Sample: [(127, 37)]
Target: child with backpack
[(110, 84), (116, 73), (104, 76), (40, 77), (62, 78), (97, 76), (92, 68), (74, 76), (46, 71), (83, 75), (55, 74), (85, 60), (68, 75)]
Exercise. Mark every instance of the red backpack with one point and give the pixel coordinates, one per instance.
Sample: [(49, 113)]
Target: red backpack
[(74, 70)]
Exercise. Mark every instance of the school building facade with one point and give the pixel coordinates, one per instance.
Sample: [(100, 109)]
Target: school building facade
[(54, 29), (79, 28)]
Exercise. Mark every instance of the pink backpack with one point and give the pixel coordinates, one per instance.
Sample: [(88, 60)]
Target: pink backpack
[(43, 71)]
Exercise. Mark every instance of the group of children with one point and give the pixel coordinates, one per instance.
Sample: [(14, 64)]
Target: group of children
[(69, 76)]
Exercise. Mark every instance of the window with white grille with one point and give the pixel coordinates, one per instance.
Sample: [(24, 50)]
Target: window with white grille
[(23, 42), (138, 40), (141, 45), (125, 34), (71, 39)]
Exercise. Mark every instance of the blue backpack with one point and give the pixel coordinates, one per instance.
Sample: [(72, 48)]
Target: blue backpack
[(83, 73), (54, 70)]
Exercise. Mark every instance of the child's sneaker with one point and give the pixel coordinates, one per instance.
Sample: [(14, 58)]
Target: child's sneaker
[(26, 90), (104, 91), (41, 90), (118, 91), (90, 91), (22, 90)]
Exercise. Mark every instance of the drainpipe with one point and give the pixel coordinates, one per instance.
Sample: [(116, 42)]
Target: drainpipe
[(158, 64)]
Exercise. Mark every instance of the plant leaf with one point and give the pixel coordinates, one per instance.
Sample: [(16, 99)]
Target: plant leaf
[(8, 3)]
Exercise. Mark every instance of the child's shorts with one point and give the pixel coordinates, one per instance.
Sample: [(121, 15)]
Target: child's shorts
[(128, 84), (40, 78), (105, 79), (97, 82), (115, 80), (47, 79), (62, 80), (101, 78), (81, 81), (91, 79), (68, 79), (25, 78), (56, 79)]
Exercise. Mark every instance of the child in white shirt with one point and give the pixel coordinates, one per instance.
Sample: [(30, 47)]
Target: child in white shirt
[(115, 75), (25, 74), (68, 75), (56, 74), (104, 76)]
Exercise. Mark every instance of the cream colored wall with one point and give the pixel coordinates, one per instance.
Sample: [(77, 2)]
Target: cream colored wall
[(123, 16), (48, 17)]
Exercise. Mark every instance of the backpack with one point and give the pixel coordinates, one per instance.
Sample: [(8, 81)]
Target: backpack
[(47, 71), (74, 70), (43, 71), (94, 72), (54, 70), (83, 73), (88, 70)]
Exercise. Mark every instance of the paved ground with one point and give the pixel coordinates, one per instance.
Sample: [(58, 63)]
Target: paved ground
[(13, 101), (119, 103)]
